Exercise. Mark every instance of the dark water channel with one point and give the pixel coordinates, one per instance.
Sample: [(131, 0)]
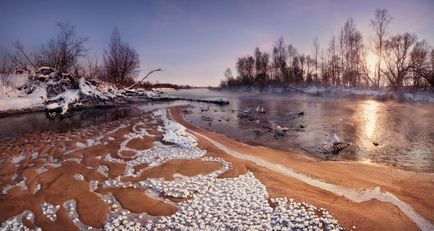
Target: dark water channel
[(36, 122)]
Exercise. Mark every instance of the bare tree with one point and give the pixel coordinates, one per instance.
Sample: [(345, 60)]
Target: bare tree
[(261, 67), (6, 69), (333, 65), (365, 70), (421, 64), (121, 62), (296, 70), (430, 76), (397, 59), (352, 44), (315, 56), (228, 74), (229, 80), (63, 52), (324, 67), (246, 70), (379, 26), (280, 56), (20, 58), (93, 70), (292, 53), (302, 62), (310, 63)]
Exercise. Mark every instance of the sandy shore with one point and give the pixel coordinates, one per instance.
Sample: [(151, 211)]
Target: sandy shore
[(415, 189), (128, 173)]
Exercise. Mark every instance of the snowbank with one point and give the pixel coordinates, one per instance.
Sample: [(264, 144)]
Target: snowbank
[(174, 132), (64, 100), (59, 92), (34, 100)]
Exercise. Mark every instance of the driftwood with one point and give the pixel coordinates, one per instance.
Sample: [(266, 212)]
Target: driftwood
[(331, 150), (20, 48)]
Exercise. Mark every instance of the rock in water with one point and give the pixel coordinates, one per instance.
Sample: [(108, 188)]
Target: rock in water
[(335, 139)]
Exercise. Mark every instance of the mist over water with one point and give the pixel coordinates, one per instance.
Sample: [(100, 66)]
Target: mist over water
[(389, 133)]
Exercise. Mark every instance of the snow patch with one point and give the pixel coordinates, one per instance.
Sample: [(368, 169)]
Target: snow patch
[(79, 177), (174, 132), (18, 159), (50, 211), (33, 100)]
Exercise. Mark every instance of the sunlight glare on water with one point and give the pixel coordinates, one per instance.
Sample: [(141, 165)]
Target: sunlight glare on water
[(369, 114), (379, 132)]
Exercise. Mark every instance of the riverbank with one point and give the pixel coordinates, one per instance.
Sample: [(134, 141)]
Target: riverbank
[(407, 95), (412, 188), (157, 171), (145, 172)]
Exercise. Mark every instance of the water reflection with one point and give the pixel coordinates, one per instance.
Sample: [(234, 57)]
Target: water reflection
[(379, 132), (369, 113), (15, 126)]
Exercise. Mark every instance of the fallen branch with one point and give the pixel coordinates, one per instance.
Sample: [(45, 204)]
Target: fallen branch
[(159, 69), (20, 48)]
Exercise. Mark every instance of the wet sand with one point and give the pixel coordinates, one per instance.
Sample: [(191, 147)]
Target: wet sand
[(61, 156), (415, 189)]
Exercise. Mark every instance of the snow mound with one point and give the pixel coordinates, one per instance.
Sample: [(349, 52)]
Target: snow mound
[(174, 132), (59, 92), (20, 102)]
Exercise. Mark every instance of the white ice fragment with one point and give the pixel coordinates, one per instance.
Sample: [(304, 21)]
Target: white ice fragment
[(79, 177)]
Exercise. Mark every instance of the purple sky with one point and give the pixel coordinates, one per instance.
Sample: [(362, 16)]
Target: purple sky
[(195, 41)]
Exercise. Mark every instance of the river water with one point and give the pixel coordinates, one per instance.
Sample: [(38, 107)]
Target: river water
[(388, 133)]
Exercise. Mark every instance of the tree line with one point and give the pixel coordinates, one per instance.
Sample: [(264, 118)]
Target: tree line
[(68, 53), (389, 61)]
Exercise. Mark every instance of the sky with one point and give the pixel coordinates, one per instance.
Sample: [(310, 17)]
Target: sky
[(195, 41)]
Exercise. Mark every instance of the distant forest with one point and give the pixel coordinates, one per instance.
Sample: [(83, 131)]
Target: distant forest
[(392, 61)]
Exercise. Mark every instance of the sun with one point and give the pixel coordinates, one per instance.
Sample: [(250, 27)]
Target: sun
[(372, 60)]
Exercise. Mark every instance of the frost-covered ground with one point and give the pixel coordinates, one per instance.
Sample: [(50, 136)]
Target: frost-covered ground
[(409, 96), (27, 95), (21, 102), (422, 96), (239, 203), (211, 203), (58, 93)]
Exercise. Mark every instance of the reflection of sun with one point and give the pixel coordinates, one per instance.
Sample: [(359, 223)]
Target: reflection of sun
[(369, 112), (372, 60)]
